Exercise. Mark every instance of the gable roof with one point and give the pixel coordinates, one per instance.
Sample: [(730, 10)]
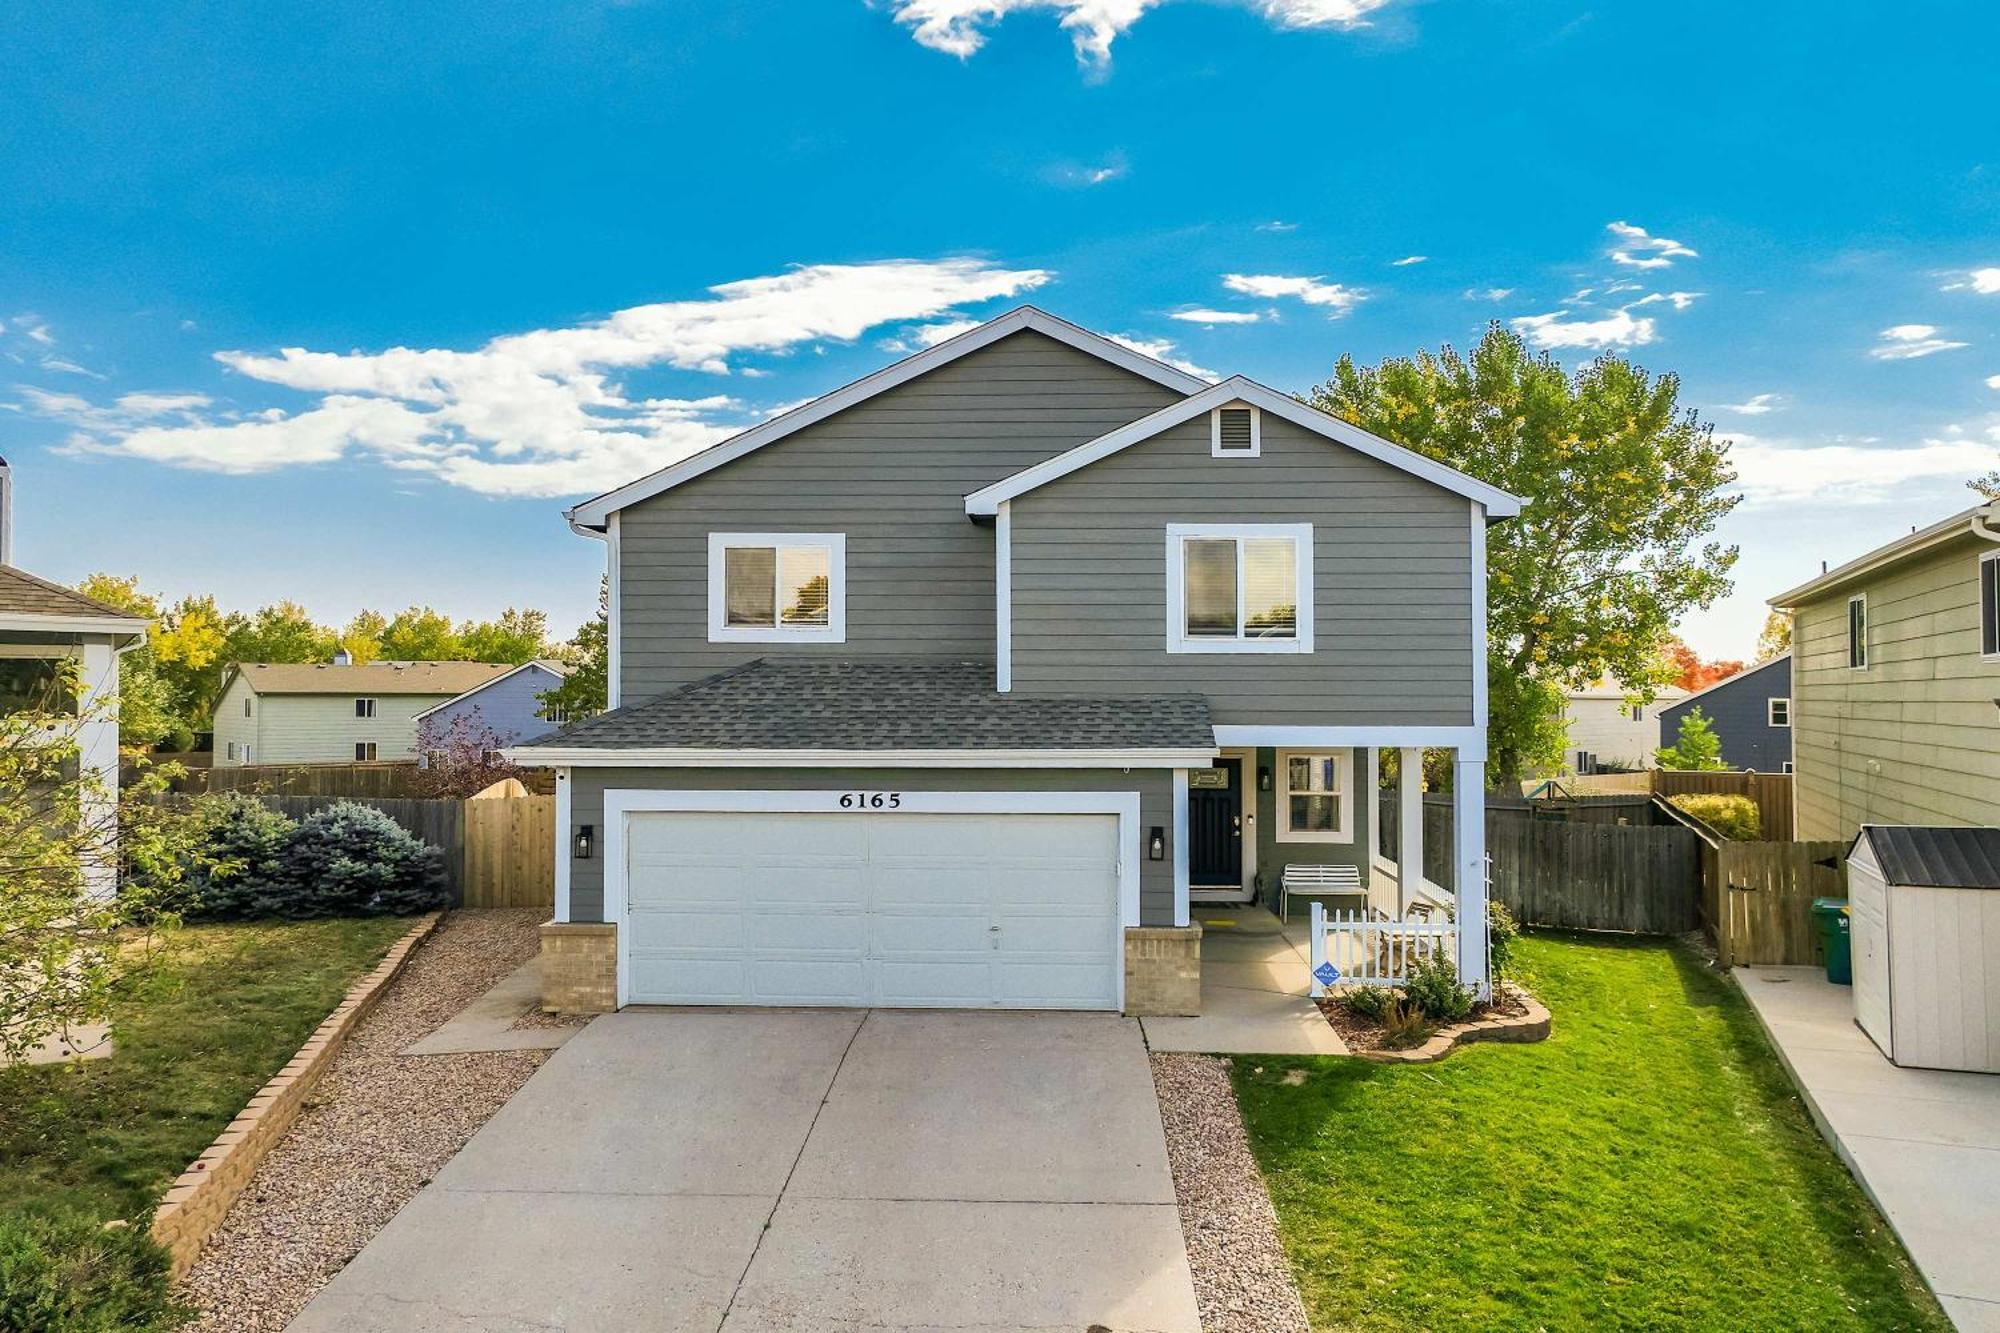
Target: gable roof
[(28, 602), (1735, 678), (442, 678), (1238, 389), (1967, 522), (593, 515), (549, 664)]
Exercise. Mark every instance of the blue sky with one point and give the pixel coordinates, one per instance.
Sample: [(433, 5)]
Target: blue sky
[(528, 251)]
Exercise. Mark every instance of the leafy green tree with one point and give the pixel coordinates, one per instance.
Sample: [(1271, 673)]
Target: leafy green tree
[(1695, 746), (585, 690), (148, 710), (1776, 637), (1620, 489), (363, 636), (421, 635), (517, 636), (281, 632), (189, 642)]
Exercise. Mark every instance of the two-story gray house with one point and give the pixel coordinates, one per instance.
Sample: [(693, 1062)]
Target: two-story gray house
[(1751, 712), (962, 684)]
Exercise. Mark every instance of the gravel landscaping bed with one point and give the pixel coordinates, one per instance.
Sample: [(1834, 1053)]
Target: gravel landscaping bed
[(375, 1131), (1242, 1281)]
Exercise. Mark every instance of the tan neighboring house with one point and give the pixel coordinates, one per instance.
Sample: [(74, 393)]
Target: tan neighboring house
[(1608, 727), (334, 712), (1896, 683)]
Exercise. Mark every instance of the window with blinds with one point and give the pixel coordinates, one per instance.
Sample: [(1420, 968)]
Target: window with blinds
[(769, 588), (1239, 588)]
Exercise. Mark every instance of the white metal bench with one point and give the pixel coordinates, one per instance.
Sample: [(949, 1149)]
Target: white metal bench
[(1319, 882)]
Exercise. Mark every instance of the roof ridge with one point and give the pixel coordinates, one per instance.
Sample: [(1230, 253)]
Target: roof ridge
[(71, 594)]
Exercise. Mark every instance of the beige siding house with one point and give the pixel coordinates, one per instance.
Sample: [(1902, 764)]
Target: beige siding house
[(308, 713), (1608, 727), (1896, 683)]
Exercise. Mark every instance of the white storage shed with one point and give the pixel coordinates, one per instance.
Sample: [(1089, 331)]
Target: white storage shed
[(1924, 912)]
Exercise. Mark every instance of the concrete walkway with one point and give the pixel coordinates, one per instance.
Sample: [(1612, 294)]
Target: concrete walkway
[(767, 1170), (1924, 1143), (487, 1024), (1254, 992)]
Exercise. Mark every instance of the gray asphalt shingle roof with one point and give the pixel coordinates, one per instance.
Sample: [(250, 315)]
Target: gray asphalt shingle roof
[(23, 594), (1936, 857), (885, 704)]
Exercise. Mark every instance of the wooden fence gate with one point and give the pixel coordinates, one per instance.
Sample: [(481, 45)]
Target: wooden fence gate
[(1762, 894), (510, 847)]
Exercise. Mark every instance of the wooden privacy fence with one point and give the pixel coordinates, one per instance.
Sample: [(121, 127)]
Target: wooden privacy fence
[(510, 851), (1772, 792), (1571, 873), (388, 779)]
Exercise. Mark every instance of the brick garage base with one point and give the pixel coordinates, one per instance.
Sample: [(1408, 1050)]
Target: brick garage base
[(579, 967), (1163, 971)]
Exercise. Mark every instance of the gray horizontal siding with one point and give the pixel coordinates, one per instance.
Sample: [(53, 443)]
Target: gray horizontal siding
[(1740, 709), (892, 474), (1155, 788), (1392, 579)]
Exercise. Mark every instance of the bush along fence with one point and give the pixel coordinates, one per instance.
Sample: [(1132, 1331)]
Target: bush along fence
[(1771, 791)]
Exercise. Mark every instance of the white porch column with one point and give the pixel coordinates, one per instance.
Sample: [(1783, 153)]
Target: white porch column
[(1409, 825), (97, 742), (1468, 786), (1371, 816)]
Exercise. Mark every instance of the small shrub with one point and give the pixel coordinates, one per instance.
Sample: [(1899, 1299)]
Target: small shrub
[(350, 859), (1501, 932), (1405, 1025), (1434, 990), (1734, 817), (68, 1274), (240, 872), (1371, 1003)]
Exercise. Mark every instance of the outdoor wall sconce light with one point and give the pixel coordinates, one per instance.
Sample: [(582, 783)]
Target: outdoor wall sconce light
[(1263, 779), (583, 840), (1156, 844)]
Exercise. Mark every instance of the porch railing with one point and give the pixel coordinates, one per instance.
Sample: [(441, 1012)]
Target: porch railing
[(1352, 949)]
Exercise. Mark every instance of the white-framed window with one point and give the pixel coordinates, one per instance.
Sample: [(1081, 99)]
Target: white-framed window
[(777, 587), (1857, 631), (364, 708), (1315, 796), (231, 753), (246, 705), (1788, 766), (555, 713), (364, 752), (1778, 712), (1239, 588), (1638, 712), (1235, 430), (1989, 606)]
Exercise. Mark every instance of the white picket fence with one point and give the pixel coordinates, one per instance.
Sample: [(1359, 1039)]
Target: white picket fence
[(1374, 951)]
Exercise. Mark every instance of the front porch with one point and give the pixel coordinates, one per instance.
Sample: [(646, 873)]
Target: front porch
[(1255, 991)]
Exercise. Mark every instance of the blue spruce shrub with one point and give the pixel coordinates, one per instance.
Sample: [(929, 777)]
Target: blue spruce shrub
[(353, 860), (240, 870)]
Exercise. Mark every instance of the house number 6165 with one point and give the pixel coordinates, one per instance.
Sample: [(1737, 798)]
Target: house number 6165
[(871, 800)]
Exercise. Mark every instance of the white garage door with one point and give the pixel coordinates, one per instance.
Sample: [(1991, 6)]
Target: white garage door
[(948, 910)]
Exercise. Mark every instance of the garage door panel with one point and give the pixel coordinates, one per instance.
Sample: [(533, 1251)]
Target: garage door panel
[(873, 909)]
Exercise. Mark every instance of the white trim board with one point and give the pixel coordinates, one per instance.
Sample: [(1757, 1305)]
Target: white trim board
[(116, 626), (563, 835), (1470, 742), (551, 756), (596, 513), (1498, 503), (621, 802), (1003, 600)]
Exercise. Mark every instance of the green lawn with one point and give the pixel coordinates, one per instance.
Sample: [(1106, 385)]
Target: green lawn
[(220, 1012), (1649, 1166)]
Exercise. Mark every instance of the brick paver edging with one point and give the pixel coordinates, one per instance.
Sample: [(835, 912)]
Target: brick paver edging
[(1530, 1026), (191, 1211)]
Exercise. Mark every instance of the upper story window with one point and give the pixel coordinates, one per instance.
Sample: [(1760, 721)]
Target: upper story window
[(1857, 631), (364, 708), (555, 713), (1989, 605), (1778, 712), (1638, 712), (1235, 431), (1239, 588), (777, 587), (246, 705)]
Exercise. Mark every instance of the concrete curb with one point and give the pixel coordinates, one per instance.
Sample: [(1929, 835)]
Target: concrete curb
[(194, 1207), (1531, 1026)]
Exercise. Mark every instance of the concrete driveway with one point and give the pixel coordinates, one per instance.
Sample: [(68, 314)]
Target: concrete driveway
[(799, 1170)]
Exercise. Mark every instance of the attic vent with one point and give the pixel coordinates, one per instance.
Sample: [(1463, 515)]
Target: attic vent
[(1234, 432)]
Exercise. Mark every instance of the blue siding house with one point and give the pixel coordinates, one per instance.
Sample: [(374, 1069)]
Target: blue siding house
[(1752, 713), (507, 704)]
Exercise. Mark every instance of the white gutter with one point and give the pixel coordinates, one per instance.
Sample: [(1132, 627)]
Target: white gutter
[(554, 756)]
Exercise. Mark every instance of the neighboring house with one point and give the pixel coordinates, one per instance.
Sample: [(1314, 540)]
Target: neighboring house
[(333, 713), (1610, 729), (1751, 712), (1895, 680), (508, 705), (44, 626), (961, 684)]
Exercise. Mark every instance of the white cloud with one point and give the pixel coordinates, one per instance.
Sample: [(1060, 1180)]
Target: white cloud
[(1993, 381), (959, 27), (1275, 225), (1756, 406), (1161, 349), (1555, 329), (1489, 294), (1906, 342), (1860, 473), (1681, 300), (540, 413), (1636, 248), (1985, 281), (1083, 175), (1313, 291), (1407, 260), (1201, 316)]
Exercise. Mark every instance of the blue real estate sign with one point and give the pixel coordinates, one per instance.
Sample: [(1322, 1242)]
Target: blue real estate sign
[(1327, 974)]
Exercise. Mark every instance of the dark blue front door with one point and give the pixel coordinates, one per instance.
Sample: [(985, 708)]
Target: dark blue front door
[(1215, 826)]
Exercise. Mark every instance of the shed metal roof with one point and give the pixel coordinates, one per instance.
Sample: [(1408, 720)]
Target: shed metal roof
[(1934, 857)]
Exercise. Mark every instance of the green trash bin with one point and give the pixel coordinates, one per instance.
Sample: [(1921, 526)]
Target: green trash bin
[(1830, 916)]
